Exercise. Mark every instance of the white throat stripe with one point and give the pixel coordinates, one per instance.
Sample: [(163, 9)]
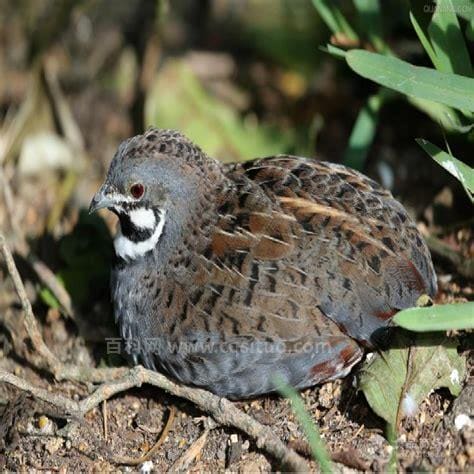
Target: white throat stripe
[(129, 250), (143, 218)]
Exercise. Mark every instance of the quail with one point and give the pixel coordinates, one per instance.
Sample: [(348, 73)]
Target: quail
[(228, 276)]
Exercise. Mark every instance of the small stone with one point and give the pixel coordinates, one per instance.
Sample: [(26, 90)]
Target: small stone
[(45, 425), (43, 422), (82, 447), (461, 421), (146, 467)]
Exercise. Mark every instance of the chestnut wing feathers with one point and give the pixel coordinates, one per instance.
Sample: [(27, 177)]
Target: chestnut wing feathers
[(312, 248)]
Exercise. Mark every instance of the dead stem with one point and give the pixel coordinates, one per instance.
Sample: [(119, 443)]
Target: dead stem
[(154, 449)]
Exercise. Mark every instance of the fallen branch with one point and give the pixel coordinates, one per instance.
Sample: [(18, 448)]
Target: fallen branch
[(463, 265), (221, 409)]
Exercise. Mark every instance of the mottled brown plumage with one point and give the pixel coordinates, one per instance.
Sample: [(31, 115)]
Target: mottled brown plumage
[(282, 265)]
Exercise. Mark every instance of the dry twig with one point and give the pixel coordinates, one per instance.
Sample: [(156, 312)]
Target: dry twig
[(221, 409), (183, 463), (154, 449), (105, 419)]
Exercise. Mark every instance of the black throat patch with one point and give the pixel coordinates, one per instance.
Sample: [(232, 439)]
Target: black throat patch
[(133, 232)]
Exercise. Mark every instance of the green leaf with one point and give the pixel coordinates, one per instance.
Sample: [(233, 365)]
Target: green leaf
[(49, 299), (447, 40), (440, 33), (420, 21), (363, 132), (462, 172), (396, 381), (445, 116), (464, 9), (334, 18), (391, 435), (317, 445), (334, 51), (415, 81), (437, 318)]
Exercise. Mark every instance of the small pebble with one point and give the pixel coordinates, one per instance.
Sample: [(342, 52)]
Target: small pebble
[(45, 425), (146, 467), (82, 447), (43, 422), (461, 421)]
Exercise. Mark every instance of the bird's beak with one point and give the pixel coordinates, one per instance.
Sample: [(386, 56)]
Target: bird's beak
[(101, 199)]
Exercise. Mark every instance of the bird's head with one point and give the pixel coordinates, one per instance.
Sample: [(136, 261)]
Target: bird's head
[(153, 178)]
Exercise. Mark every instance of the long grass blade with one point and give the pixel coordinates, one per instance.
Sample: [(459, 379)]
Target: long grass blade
[(317, 445)]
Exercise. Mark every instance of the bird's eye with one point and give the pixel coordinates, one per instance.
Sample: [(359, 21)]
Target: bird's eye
[(137, 190)]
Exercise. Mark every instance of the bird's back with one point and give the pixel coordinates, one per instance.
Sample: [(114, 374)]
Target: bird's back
[(360, 252)]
